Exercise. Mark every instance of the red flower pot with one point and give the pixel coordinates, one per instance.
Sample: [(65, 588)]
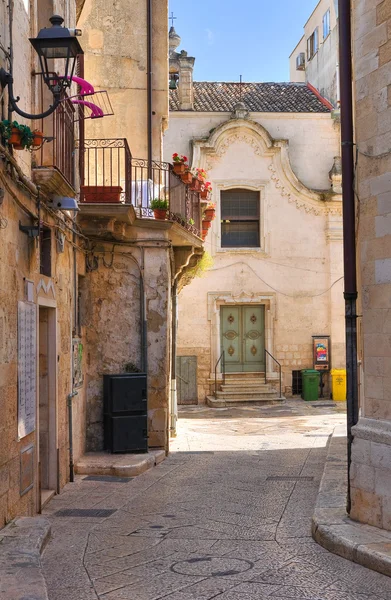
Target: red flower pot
[(206, 224), (160, 214), (204, 233), (195, 185), (204, 194), (38, 138), (15, 139), (178, 168), (209, 214), (110, 194), (187, 178)]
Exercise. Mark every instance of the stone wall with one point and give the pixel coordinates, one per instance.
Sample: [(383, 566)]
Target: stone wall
[(371, 473)]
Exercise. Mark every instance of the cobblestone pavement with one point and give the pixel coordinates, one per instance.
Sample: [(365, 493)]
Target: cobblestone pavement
[(226, 516)]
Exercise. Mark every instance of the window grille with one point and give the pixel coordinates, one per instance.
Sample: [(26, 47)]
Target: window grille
[(240, 214)]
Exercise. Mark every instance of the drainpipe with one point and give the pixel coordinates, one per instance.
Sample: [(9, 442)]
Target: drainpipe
[(69, 402), (174, 400), (349, 221), (149, 85)]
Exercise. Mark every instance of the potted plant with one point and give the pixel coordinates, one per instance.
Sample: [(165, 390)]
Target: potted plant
[(159, 207), (179, 163), (206, 190), (187, 176), (209, 212), (201, 175), (37, 138), (19, 136), (195, 185), (206, 224)]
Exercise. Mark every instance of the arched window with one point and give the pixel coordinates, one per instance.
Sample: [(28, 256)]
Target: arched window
[(240, 214)]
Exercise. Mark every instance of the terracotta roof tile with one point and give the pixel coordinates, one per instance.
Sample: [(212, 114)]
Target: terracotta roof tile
[(258, 97)]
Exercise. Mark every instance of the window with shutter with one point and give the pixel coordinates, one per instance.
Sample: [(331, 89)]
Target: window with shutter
[(240, 214)]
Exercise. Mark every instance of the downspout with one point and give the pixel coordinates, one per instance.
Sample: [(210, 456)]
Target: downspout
[(174, 399), (149, 86), (349, 221), (74, 331)]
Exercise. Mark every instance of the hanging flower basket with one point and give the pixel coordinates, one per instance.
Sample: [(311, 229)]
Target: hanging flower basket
[(15, 139), (195, 185), (209, 214), (179, 168), (160, 214), (187, 177), (37, 138)]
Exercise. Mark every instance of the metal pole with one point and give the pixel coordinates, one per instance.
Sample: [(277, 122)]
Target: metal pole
[(149, 85), (349, 220)]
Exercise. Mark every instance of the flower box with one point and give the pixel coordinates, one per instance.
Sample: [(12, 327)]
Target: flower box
[(195, 185), (179, 168), (15, 139), (209, 214), (206, 224), (187, 178), (160, 214), (104, 194)]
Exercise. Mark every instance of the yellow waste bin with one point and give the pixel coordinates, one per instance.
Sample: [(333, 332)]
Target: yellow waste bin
[(338, 385)]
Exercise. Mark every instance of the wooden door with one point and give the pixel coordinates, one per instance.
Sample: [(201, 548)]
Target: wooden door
[(243, 338), (186, 377)]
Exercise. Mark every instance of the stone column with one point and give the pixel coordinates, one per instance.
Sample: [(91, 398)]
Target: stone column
[(371, 460)]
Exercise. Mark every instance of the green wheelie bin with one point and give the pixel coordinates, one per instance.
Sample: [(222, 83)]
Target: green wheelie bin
[(310, 379)]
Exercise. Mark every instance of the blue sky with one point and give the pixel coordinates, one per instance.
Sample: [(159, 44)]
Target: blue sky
[(253, 38)]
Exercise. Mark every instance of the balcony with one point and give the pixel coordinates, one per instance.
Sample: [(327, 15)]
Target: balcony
[(54, 164), (118, 189)]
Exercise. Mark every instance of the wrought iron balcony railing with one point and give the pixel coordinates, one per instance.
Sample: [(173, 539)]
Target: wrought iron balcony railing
[(109, 174)]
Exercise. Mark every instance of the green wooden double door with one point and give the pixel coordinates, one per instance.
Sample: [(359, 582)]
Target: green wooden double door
[(243, 338)]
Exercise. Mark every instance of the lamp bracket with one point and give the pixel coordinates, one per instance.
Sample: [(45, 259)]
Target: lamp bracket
[(6, 79), (31, 230)]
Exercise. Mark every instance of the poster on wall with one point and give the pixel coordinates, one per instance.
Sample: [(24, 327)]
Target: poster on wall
[(321, 352), (27, 368)]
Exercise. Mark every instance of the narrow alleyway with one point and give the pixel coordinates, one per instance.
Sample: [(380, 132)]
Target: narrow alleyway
[(226, 516)]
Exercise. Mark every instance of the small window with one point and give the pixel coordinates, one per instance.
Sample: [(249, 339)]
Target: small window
[(45, 247), (313, 44), (240, 219), (326, 25)]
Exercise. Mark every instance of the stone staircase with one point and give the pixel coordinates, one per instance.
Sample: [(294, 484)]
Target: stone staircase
[(244, 389)]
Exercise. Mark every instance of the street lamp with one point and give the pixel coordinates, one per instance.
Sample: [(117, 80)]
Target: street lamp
[(56, 43)]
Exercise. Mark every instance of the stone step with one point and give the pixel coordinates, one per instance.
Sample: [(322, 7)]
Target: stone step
[(240, 394), (213, 402), (245, 386), (245, 375)]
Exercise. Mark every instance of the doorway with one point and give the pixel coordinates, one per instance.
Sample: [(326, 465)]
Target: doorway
[(47, 412), (243, 338)]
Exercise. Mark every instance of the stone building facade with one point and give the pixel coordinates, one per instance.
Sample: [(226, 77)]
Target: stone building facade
[(371, 473), (271, 146), (315, 58)]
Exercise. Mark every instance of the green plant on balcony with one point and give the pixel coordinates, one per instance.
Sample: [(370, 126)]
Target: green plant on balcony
[(159, 207), (19, 136)]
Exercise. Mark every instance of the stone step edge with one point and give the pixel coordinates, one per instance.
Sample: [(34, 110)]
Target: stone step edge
[(212, 402), (22, 542), (118, 465), (331, 526)]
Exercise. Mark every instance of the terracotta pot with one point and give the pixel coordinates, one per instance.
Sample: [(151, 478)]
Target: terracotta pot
[(178, 168), (15, 139), (187, 178), (204, 194), (195, 185), (95, 194), (206, 224), (160, 214), (204, 233), (209, 214), (38, 138)]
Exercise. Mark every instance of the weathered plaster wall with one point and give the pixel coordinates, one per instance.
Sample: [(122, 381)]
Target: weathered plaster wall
[(116, 60), (371, 473), (111, 316), (296, 272)]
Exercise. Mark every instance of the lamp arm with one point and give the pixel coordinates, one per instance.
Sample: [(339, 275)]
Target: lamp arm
[(7, 80)]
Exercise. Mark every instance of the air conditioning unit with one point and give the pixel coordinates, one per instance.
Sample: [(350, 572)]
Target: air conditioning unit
[(300, 62)]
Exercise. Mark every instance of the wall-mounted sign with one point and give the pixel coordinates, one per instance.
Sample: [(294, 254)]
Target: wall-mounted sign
[(321, 352), (27, 367)]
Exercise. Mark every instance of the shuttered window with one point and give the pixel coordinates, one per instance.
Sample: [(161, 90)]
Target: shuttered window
[(240, 219)]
